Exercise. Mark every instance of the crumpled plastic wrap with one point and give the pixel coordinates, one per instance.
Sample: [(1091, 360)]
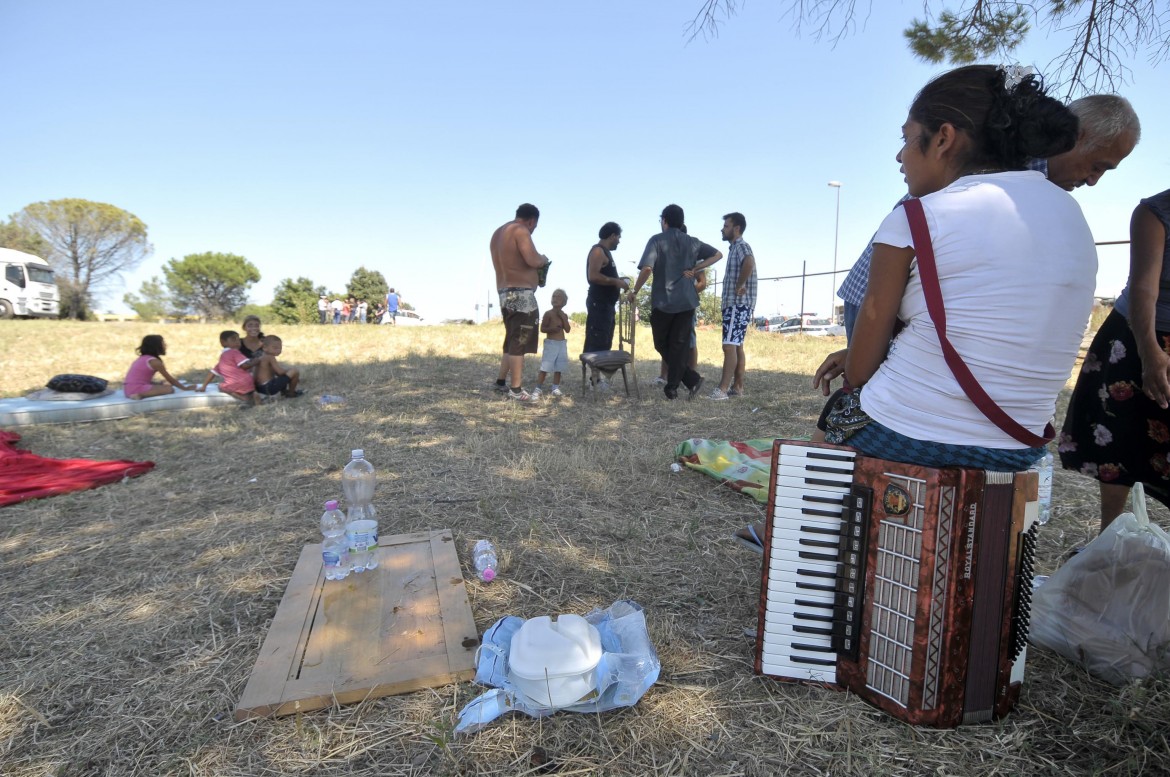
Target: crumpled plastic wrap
[(1108, 607), (628, 667)]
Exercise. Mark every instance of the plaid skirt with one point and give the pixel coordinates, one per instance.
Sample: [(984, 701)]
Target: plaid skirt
[(844, 422), (1113, 432)]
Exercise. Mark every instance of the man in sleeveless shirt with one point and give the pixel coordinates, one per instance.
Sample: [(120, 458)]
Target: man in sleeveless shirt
[(604, 289)]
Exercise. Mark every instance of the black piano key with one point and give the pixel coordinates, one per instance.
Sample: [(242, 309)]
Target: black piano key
[(820, 530), (812, 648), (817, 543), (816, 556), (804, 616), (812, 630), (816, 605), (813, 661)]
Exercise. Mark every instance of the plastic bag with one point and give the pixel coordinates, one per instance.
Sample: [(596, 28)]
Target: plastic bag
[(628, 667), (1108, 607)]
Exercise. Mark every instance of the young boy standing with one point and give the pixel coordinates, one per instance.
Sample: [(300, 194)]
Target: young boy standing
[(555, 356), (271, 377)]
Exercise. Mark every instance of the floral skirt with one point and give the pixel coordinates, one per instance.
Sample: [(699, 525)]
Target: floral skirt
[(1113, 432)]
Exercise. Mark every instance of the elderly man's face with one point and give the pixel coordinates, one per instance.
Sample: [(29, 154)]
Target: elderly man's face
[(1087, 163)]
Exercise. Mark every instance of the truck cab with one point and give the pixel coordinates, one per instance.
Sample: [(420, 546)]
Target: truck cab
[(27, 286)]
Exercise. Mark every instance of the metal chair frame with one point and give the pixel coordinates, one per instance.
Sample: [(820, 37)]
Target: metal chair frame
[(609, 362)]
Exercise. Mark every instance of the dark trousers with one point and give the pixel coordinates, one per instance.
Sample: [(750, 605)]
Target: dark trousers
[(599, 323), (672, 340)]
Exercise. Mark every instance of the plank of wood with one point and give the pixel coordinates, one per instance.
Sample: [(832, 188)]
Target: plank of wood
[(403, 626)]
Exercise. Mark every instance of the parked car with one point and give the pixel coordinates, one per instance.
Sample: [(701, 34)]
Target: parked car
[(817, 327), (410, 318), (770, 323)]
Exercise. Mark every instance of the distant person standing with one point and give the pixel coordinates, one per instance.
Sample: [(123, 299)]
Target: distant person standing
[(738, 304), (363, 308), (516, 263), (392, 301), (323, 308), (605, 287), (674, 258), (336, 307)]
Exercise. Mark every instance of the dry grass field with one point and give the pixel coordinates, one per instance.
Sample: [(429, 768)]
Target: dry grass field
[(132, 614)]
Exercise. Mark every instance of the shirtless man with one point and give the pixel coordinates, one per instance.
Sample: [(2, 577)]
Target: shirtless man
[(516, 263)]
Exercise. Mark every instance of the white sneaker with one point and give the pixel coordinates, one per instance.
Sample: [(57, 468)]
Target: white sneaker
[(660, 381), (556, 391), (718, 395), (520, 396), (536, 393)]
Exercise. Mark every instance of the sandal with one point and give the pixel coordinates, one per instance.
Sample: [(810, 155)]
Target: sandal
[(751, 536)]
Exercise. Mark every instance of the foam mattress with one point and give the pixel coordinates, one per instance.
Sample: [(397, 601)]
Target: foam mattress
[(22, 411)]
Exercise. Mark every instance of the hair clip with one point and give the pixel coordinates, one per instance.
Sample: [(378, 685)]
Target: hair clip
[(1014, 74)]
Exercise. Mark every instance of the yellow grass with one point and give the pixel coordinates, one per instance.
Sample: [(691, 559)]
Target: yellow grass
[(133, 613)]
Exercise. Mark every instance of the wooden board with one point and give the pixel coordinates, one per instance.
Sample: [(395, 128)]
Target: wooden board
[(403, 626)]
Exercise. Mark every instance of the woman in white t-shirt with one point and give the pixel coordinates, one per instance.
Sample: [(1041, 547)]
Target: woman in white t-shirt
[(1016, 266)]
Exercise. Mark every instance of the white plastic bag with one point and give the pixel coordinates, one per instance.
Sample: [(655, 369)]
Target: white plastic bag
[(628, 667), (1108, 607)]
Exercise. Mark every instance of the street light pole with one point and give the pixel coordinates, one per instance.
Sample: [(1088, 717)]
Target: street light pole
[(836, 232)]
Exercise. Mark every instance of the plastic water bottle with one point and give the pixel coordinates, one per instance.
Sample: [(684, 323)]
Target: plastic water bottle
[(333, 520), (1044, 468), (357, 484), (485, 561), (334, 548), (330, 399)]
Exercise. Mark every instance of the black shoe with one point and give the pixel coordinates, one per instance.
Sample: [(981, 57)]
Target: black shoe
[(695, 389)]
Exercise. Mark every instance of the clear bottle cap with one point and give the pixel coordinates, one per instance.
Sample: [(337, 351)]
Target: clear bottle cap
[(357, 453), (331, 504)]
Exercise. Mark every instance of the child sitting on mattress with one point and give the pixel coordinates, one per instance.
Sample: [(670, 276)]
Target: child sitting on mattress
[(139, 383), (234, 368), (273, 378)]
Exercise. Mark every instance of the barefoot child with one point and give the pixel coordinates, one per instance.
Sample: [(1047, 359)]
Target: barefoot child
[(271, 377), (555, 357), (234, 368), (139, 383)]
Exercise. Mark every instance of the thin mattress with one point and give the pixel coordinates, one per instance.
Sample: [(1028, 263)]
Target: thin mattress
[(22, 411)]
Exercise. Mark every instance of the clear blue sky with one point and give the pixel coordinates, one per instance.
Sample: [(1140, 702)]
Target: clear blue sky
[(314, 138)]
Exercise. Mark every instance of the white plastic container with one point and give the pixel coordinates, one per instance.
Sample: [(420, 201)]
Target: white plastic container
[(554, 663)]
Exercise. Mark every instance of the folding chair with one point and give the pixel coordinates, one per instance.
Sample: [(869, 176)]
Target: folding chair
[(609, 362)]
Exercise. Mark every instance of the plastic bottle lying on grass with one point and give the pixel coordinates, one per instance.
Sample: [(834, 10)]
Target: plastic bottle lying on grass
[(330, 399)]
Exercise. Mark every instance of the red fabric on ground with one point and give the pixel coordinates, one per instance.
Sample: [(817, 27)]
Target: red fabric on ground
[(25, 475)]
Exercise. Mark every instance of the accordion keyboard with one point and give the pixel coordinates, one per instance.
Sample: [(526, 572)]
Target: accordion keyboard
[(804, 585)]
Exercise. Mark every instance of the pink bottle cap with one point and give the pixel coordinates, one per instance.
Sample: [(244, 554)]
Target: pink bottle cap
[(489, 575), (331, 504)]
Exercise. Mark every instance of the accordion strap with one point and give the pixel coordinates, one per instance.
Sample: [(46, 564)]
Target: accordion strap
[(928, 271)]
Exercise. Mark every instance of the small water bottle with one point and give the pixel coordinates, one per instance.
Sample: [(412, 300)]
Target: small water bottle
[(485, 561), (1044, 468), (334, 548)]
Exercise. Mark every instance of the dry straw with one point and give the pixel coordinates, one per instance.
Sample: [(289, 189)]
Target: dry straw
[(133, 613)]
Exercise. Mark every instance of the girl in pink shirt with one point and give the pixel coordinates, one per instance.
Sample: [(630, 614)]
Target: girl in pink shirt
[(139, 383)]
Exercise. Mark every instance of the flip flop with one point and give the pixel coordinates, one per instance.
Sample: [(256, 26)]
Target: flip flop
[(749, 538)]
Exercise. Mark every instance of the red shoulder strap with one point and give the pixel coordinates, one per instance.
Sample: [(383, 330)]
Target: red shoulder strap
[(924, 251)]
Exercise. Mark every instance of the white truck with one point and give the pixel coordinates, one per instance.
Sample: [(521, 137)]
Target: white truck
[(27, 286)]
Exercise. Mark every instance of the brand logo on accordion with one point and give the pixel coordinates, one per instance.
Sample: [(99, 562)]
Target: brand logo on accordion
[(895, 501), (970, 556)]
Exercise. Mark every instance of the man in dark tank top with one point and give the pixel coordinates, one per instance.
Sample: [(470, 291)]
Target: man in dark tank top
[(604, 289)]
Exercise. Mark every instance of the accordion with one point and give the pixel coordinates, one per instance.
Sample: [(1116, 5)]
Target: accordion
[(908, 586)]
